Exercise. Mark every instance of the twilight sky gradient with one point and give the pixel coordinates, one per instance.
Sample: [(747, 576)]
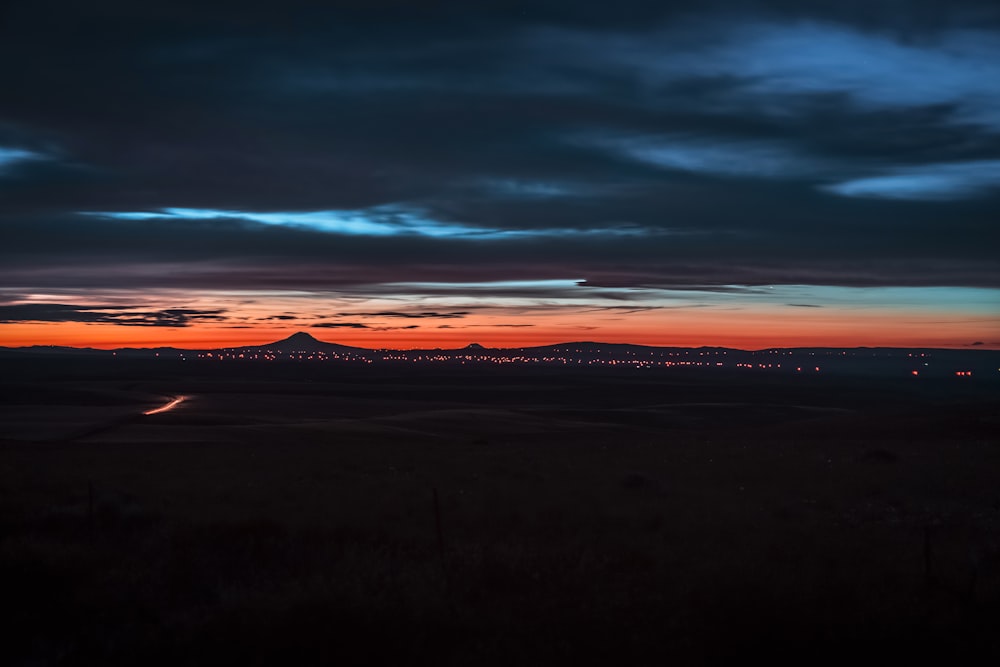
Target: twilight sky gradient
[(400, 174)]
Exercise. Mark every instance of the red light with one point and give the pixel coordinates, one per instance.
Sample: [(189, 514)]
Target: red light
[(915, 372)]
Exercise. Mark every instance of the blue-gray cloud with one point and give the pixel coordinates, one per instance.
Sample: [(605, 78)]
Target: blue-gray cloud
[(775, 67), (926, 182), (706, 155), (641, 143), (379, 221), (10, 156)]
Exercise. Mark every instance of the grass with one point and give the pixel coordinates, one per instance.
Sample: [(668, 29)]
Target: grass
[(242, 535)]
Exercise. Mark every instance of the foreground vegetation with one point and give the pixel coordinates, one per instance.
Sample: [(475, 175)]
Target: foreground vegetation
[(551, 539)]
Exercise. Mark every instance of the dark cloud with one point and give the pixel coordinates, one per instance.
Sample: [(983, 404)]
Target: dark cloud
[(123, 315), (357, 145), (626, 310), (359, 325), (407, 315), (339, 325)]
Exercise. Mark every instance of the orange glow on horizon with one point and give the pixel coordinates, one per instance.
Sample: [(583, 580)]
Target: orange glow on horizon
[(742, 330)]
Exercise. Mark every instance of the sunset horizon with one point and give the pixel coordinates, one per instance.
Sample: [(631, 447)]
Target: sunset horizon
[(511, 314), (201, 340)]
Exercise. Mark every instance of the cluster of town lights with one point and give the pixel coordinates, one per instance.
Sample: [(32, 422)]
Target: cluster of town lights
[(570, 356)]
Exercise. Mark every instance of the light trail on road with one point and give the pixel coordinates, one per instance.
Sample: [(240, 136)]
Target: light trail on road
[(169, 406)]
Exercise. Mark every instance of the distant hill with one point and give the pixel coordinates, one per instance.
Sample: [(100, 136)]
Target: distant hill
[(592, 346), (54, 350), (301, 342), (303, 347)]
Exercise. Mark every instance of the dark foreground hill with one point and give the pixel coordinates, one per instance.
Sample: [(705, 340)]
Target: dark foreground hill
[(318, 514)]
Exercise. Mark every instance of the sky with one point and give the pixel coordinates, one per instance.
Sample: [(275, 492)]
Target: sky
[(401, 174)]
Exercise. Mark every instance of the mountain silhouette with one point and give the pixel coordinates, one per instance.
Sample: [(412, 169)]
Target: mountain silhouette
[(304, 342)]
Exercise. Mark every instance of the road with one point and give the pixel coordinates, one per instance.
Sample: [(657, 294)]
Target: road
[(121, 421), (173, 403)]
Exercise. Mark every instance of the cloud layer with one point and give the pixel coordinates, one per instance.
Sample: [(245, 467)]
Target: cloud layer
[(358, 147)]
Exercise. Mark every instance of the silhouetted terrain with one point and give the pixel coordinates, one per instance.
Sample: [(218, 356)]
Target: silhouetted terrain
[(493, 514), (304, 348)]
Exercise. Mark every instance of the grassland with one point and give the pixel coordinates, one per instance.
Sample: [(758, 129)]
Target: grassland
[(287, 514)]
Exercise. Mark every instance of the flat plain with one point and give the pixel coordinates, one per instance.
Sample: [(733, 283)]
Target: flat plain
[(318, 513)]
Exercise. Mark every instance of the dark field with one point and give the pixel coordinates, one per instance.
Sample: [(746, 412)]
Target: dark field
[(285, 514)]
